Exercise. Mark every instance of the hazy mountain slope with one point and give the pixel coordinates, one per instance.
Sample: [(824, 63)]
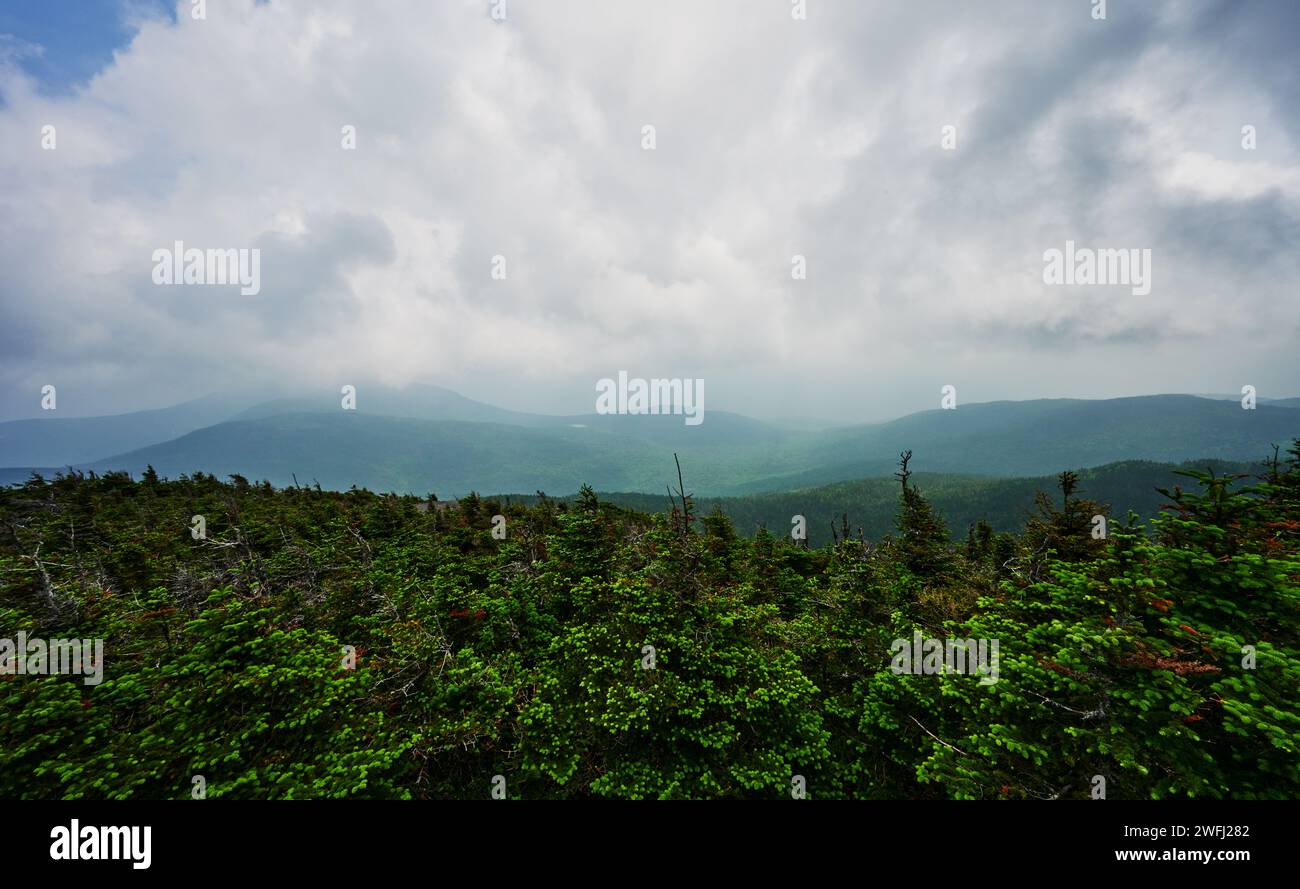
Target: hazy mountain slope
[(53, 443), (343, 449), (436, 403), (418, 402), (1040, 437), (57, 441), (718, 428), (727, 455), (450, 458)]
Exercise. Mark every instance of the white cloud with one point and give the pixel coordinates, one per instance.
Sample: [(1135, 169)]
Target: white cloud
[(775, 137)]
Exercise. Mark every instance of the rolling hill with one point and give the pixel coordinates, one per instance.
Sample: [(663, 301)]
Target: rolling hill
[(871, 504), (727, 455), (58, 441)]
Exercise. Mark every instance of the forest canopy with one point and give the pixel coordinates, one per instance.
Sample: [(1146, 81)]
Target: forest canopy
[(298, 642)]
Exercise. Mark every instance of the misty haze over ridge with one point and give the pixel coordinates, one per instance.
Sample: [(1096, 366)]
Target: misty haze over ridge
[(431, 440)]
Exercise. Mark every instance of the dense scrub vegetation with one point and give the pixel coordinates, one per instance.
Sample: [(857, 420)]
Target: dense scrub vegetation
[(323, 644)]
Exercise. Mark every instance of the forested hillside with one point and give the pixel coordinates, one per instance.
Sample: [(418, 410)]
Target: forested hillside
[(304, 643), (424, 439), (868, 506)]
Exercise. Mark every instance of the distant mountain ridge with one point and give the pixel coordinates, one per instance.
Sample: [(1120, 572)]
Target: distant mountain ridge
[(428, 439), (60, 441), (436, 403)]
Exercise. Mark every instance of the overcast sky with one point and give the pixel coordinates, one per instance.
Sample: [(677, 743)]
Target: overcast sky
[(774, 136)]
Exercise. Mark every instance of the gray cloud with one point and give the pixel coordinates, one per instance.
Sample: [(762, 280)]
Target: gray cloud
[(775, 137)]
